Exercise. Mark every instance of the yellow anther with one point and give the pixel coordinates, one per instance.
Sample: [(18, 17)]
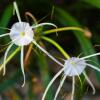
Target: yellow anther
[(22, 33)]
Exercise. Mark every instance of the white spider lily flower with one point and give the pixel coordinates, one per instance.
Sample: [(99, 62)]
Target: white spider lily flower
[(72, 67), (22, 34)]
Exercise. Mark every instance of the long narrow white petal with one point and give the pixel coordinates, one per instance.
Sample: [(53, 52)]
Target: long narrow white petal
[(3, 65), (78, 76), (17, 11), (51, 82), (5, 28), (4, 34), (41, 24), (22, 64), (43, 50), (96, 54), (73, 88), (61, 83), (96, 68), (88, 80), (12, 41), (5, 57)]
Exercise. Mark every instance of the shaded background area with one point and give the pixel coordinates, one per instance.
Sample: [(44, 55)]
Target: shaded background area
[(39, 69)]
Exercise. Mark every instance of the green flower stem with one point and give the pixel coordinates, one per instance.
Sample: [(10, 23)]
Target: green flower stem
[(64, 29), (57, 46)]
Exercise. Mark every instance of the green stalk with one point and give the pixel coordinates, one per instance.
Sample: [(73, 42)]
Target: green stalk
[(64, 29), (57, 46), (13, 54)]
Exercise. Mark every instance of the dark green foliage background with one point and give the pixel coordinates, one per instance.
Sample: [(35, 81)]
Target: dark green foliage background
[(81, 13)]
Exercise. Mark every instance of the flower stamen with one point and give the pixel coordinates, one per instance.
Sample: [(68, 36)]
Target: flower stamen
[(22, 34), (88, 80)]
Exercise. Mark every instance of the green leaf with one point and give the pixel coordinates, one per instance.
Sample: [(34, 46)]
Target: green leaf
[(6, 16), (31, 95), (5, 20), (10, 82), (95, 3)]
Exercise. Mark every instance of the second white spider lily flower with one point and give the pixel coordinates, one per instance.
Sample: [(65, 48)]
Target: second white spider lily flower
[(73, 67), (22, 34)]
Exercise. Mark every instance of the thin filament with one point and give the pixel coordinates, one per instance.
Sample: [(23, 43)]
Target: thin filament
[(96, 54), (92, 62), (17, 11), (31, 16), (10, 42), (5, 57), (73, 88), (42, 24), (59, 88), (43, 50), (3, 65), (78, 76), (22, 64), (51, 82), (4, 35), (93, 67), (88, 80), (5, 28)]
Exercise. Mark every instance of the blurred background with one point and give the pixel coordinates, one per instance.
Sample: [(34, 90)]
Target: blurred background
[(39, 69)]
